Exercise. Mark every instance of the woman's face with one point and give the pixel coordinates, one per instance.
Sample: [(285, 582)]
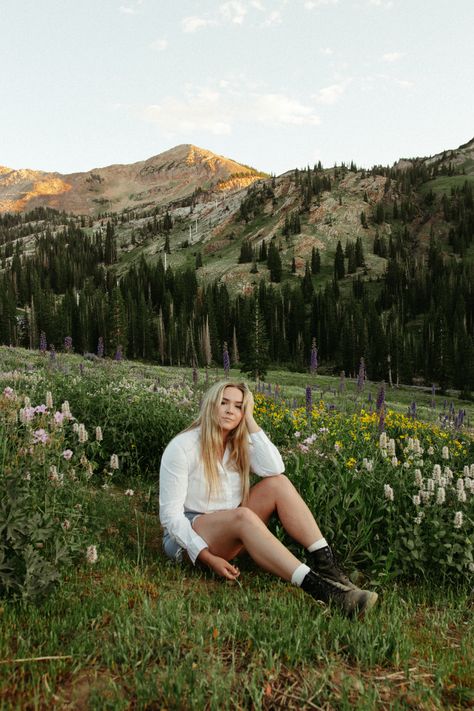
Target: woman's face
[(230, 410)]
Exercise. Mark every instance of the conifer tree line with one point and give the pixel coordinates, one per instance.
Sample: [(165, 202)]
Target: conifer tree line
[(420, 314)]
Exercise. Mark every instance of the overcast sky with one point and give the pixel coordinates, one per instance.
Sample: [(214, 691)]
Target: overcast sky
[(275, 84)]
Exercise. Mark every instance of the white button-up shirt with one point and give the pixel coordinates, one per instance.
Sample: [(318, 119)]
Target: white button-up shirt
[(183, 485)]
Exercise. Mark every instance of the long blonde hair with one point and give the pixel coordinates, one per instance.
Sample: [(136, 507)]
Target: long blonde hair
[(211, 437)]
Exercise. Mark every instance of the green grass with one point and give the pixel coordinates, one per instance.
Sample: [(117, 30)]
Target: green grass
[(161, 636), (444, 183)]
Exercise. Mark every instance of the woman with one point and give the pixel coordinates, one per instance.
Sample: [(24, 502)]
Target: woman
[(208, 509)]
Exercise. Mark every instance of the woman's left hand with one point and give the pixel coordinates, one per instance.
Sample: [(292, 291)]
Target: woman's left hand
[(249, 419)]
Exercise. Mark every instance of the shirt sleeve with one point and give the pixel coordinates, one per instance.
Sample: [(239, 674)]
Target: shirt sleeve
[(265, 459), (174, 473)]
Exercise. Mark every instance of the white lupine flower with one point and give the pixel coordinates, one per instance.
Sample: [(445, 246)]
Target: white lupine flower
[(416, 500), (129, 492), (445, 453), (406, 465), (419, 463), (49, 400), (418, 478), (431, 451), (430, 484), (368, 464), (466, 470), (82, 434), (441, 495), (394, 461), (416, 446), (425, 495), (469, 483), (383, 441), (388, 492), (75, 427), (27, 401), (448, 473), (462, 496), (418, 519), (114, 461), (471, 474), (443, 481), (391, 447), (460, 484), (91, 554), (65, 409), (458, 519), (98, 434)]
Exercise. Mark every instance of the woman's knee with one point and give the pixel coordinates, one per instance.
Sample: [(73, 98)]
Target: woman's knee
[(246, 517)]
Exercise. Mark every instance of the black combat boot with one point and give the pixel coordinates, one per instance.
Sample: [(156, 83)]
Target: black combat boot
[(324, 563), (353, 602)]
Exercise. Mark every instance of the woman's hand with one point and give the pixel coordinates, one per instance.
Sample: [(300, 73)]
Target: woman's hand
[(220, 566), (249, 419)]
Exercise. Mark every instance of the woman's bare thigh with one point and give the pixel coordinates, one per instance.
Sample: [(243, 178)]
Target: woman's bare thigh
[(219, 530)]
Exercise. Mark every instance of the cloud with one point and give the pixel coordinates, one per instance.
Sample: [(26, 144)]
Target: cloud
[(330, 94), (311, 4), (159, 45), (405, 83), (327, 51), (193, 23), (392, 56), (233, 11), (217, 111), (125, 10), (273, 18), (387, 4)]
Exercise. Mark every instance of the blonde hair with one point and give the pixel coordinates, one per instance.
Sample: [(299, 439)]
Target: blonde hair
[(211, 437)]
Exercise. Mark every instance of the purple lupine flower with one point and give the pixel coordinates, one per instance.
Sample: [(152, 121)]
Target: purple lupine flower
[(68, 344), (413, 410), (118, 353), (43, 345), (226, 359), (369, 398), (100, 347), (81, 368), (52, 352), (309, 400), (433, 392), (361, 376), (380, 398), (195, 374), (314, 357)]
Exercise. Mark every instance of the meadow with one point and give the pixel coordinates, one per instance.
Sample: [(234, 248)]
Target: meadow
[(94, 617)]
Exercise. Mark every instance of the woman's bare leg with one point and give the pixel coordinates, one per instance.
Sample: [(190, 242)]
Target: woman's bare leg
[(277, 494), (227, 532)]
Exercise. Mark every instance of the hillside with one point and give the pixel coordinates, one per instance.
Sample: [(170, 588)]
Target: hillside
[(167, 177), (372, 263)]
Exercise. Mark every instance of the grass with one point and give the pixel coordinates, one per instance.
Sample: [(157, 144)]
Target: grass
[(160, 636)]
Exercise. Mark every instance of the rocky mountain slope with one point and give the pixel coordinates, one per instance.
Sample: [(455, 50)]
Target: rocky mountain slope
[(162, 179)]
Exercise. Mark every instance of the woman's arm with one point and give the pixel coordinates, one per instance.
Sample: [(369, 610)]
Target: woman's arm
[(265, 459), (174, 474)]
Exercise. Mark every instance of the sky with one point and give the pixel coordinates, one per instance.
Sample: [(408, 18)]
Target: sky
[(274, 84)]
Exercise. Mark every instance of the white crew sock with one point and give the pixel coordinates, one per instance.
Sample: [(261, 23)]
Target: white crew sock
[(317, 545), (299, 574)]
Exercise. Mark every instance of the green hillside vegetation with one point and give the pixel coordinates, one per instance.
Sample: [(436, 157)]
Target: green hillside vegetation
[(394, 273)]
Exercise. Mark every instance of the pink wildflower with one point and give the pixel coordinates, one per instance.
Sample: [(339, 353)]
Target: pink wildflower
[(40, 436), (67, 454)]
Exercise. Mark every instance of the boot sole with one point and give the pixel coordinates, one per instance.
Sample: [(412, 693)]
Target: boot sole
[(369, 604)]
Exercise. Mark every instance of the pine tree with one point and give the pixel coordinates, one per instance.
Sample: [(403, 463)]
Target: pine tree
[(274, 262), (339, 270), (256, 359), (307, 284), (315, 261)]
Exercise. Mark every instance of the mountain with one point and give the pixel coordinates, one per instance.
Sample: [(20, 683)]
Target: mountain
[(170, 176)]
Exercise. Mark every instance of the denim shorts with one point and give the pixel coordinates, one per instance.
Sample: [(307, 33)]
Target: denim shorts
[(172, 549)]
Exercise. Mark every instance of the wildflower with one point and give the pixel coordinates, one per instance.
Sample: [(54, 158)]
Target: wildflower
[(118, 353), (431, 451), (43, 345), (82, 434), (416, 500), (419, 518), (68, 344), (225, 359), (391, 448), (100, 347), (441, 495), (65, 409), (406, 465), (40, 436), (388, 492), (337, 446), (26, 414), (27, 401), (297, 434), (323, 430), (472, 470), (436, 472), (66, 525), (129, 492), (418, 478), (458, 519), (67, 454), (383, 440), (52, 352), (105, 486), (430, 484), (98, 434), (361, 376), (27, 476), (351, 462), (461, 496), (445, 453), (394, 461), (91, 554), (303, 447), (460, 484), (309, 398), (380, 398), (8, 393), (49, 400), (425, 495), (40, 409), (368, 464), (114, 461)]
